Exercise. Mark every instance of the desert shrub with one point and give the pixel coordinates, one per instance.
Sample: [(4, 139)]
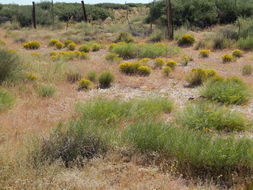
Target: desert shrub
[(9, 66), (84, 48), (199, 76), (172, 64), (157, 37), (245, 43), (186, 40), (95, 46), (32, 45), (35, 54), (92, 76), (125, 50), (203, 155), (227, 58), (52, 43), (204, 52), (130, 50), (167, 70), (144, 60), (125, 37), (105, 79), (71, 144), (208, 116), (156, 50), (229, 91), (46, 90), (201, 45), (159, 63), (6, 99), (237, 53), (31, 77), (73, 76), (129, 68), (113, 57), (247, 70), (220, 42), (114, 112), (59, 45), (84, 84), (185, 60), (68, 55), (144, 70), (71, 46), (67, 42)]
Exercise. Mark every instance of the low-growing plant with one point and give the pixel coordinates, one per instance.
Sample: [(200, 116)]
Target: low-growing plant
[(52, 43), (227, 58), (203, 155), (36, 54), (207, 116), (46, 90), (6, 99), (71, 46), (31, 77), (204, 53), (73, 76), (95, 46), (125, 50), (144, 60), (32, 45), (9, 66), (92, 76), (247, 70), (172, 64), (185, 60), (167, 70), (113, 57), (199, 76), (159, 63), (105, 79), (228, 91), (129, 67), (125, 37), (186, 40), (245, 43), (59, 45), (144, 70), (237, 53), (219, 42), (84, 48), (84, 84), (67, 42), (68, 55)]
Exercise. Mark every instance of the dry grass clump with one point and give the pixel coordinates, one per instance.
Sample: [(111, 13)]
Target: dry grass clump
[(68, 55), (247, 70)]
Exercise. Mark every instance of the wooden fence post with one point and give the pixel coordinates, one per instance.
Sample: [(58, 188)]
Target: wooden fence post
[(170, 28), (84, 12), (34, 16)]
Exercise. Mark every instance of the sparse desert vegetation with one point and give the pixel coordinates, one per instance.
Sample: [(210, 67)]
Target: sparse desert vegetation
[(112, 102)]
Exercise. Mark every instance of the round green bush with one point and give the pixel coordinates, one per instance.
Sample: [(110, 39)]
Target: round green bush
[(105, 79), (85, 48), (229, 91)]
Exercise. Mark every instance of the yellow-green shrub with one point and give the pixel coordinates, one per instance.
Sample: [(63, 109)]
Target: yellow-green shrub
[(172, 64), (159, 62), (84, 84), (237, 53), (125, 37), (68, 55), (204, 52), (227, 58), (59, 45), (31, 77), (198, 76), (67, 42), (71, 46), (144, 70), (167, 70), (95, 46), (32, 45), (144, 60), (113, 57), (35, 54), (85, 48), (53, 42), (186, 40), (129, 68)]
